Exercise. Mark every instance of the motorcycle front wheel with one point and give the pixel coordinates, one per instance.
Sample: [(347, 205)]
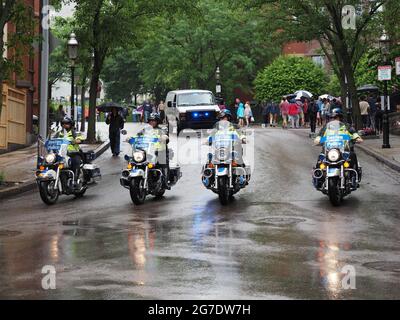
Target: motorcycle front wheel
[(224, 193), (48, 193), (137, 191), (334, 191)]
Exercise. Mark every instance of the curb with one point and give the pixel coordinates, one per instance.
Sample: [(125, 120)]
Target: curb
[(391, 164), (31, 184)]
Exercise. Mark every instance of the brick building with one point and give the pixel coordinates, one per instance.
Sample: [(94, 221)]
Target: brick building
[(21, 94)]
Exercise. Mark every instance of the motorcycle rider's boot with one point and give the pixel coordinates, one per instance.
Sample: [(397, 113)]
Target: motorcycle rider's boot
[(359, 171)]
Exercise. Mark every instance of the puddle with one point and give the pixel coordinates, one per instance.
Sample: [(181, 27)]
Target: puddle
[(9, 233), (70, 223), (278, 221), (393, 266)]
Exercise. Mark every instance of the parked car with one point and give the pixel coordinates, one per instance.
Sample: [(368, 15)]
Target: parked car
[(196, 109)]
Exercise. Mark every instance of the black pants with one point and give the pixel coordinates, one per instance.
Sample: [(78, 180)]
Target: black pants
[(364, 119), (162, 116), (115, 137), (313, 123), (76, 160)]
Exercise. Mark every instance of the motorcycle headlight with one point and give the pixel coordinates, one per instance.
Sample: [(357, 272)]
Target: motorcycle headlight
[(333, 155), (138, 156), (222, 154), (50, 158)]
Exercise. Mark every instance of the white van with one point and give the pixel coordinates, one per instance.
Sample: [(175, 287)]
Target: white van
[(194, 109)]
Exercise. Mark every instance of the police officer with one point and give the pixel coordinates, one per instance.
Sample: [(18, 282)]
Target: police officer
[(74, 151), (337, 115), (154, 120), (225, 124)]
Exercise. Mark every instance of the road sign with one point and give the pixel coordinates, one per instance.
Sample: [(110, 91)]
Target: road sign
[(385, 73), (398, 66)]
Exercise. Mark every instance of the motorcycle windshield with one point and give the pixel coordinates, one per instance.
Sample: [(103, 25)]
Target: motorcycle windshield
[(224, 142), (55, 145), (336, 136), (147, 140)]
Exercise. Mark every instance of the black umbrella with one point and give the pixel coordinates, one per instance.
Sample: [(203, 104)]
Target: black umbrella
[(368, 88), (108, 106), (290, 96)]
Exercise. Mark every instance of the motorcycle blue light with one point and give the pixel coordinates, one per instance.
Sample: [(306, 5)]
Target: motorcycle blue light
[(207, 114), (126, 157), (321, 157), (195, 115), (210, 156)]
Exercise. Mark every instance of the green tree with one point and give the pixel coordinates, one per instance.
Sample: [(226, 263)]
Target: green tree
[(121, 75), (288, 74), (323, 20), (109, 25), (184, 52)]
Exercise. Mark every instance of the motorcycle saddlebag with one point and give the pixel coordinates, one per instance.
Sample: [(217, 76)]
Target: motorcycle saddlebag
[(89, 156), (92, 171), (174, 175)]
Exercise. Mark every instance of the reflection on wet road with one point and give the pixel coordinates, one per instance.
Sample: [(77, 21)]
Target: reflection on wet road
[(278, 239)]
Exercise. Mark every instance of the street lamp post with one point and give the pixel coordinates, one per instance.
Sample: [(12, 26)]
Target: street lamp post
[(72, 55), (218, 80), (384, 44)]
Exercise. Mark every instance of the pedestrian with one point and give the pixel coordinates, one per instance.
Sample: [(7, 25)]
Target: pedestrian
[(293, 114), (125, 113), (378, 118), (60, 114), (147, 110), (116, 124), (326, 110), (247, 113), (221, 104), (264, 114), (300, 107), (284, 109), (140, 112), (313, 114), (372, 110), (240, 112), (305, 110), (395, 99), (364, 110), (320, 105), (161, 110), (273, 114)]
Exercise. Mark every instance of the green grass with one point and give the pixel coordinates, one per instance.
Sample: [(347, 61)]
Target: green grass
[(2, 177)]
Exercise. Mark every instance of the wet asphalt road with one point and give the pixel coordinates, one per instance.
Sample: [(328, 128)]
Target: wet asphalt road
[(278, 239)]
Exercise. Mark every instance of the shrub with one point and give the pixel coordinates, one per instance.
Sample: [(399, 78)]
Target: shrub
[(288, 74)]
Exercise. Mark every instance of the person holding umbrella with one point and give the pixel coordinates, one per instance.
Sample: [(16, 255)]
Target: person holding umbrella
[(116, 123)]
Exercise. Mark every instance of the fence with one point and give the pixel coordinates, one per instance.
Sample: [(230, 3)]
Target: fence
[(13, 117)]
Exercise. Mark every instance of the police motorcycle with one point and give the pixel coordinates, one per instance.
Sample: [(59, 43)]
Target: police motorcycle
[(53, 174), (225, 172), (148, 170), (336, 174)]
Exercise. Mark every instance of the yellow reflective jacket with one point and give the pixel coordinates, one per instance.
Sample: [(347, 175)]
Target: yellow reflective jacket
[(71, 136)]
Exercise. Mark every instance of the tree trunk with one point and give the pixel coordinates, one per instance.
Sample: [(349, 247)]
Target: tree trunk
[(94, 82)]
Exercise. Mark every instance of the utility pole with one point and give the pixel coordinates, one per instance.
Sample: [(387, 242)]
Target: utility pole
[(44, 71)]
